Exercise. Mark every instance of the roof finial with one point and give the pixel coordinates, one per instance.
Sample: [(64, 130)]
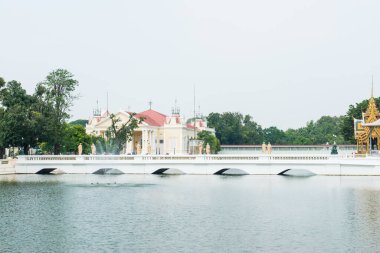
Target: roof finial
[(96, 111), (150, 104), (372, 87), (107, 105), (175, 109)]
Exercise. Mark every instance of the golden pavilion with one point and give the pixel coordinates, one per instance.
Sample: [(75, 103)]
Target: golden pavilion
[(367, 129)]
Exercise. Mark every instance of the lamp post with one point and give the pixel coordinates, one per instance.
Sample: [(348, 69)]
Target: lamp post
[(22, 145), (37, 147)]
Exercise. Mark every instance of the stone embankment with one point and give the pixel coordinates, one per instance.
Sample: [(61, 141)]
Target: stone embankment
[(7, 166)]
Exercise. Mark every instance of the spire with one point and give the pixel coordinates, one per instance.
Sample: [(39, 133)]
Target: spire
[(107, 112), (176, 109), (372, 113), (150, 104), (199, 114), (96, 111)]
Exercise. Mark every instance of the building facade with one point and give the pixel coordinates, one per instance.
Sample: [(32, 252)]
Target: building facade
[(157, 134)]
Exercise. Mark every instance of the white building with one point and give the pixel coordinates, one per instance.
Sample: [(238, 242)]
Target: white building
[(157, 134)]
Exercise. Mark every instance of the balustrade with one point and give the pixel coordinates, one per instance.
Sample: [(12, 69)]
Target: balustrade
[(261, 157)]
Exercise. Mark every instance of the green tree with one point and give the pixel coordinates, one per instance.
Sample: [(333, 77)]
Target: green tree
[(274, 135), (327, 129), (81, 122), (297, 137), (227, 126), (2, 144), (252, 132), (119, 133), (211, 139), (57, 92), (17, 123), (75, 134), (232, 128)]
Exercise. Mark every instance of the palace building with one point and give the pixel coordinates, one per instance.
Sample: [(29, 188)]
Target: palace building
[(157, 134), (367, 129)]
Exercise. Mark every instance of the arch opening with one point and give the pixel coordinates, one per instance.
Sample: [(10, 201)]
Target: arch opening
[(45, 171), (160, 171), (168, 171), (296, 173), (231, 172), (108, 171)]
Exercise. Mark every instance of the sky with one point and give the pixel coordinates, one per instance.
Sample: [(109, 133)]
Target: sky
[(283, 62)]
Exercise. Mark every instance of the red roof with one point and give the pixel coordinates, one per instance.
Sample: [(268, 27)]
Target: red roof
[(151, 117), (190, 126)]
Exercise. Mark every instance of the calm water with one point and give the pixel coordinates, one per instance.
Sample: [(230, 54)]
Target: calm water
[(137, 213)]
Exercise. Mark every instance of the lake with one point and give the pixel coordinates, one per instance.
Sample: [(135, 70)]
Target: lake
[(189, 213)]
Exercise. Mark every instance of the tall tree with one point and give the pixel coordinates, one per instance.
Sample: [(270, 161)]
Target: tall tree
[(18, 118), (252, 132), (2, 144), (58, 94)]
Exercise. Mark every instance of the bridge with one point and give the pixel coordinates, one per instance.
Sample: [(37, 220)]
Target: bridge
[(200, 164)]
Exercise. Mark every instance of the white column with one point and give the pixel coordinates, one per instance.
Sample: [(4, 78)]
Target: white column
[(154, 145), (129, 147), (143, 142), (150, 142)]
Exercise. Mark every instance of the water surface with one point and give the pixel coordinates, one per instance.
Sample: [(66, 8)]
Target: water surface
[(151, 213)]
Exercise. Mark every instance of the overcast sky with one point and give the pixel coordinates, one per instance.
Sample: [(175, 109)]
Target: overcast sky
[(283, 62)]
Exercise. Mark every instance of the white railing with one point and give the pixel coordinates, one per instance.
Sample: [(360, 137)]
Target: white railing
[(282, 157)]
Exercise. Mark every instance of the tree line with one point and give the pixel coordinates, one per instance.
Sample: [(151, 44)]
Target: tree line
[(233, 128)]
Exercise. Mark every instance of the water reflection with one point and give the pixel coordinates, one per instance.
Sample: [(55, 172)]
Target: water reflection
[(154, 213)]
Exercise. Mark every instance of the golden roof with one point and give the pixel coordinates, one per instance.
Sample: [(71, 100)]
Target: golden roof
[(372, 113)]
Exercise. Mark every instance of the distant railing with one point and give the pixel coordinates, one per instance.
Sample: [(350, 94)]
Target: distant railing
[(287, 149), (166, 157), (142, 158)]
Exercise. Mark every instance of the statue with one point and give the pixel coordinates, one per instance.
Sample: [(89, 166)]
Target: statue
[(200, 148), (149, 148), (80, 149), (208, 149), (264, 148), (269, 148), (334, 150), (93, 149), (138, 149)]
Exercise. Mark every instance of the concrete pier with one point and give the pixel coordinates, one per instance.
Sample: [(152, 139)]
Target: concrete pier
[(202, 164), (7, 166)]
